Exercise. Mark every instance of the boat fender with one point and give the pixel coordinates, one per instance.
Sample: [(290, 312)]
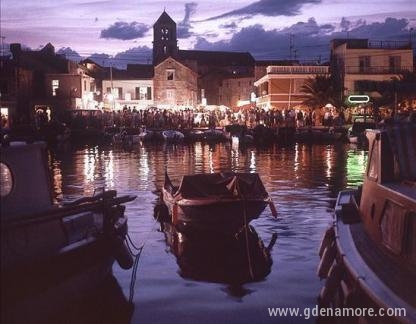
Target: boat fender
[(332, 284), (327, 239), (175, 214), (327, 259), (352, 295), (346, 293), (121, 253)]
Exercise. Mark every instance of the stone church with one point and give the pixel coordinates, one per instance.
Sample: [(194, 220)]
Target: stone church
[(192, 77)]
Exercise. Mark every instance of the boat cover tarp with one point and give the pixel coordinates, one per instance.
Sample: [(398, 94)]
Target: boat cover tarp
[(247, 185), (402, 140)]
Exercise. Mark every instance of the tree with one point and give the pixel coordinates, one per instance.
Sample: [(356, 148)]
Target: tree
[(399, 90), (319, 91)]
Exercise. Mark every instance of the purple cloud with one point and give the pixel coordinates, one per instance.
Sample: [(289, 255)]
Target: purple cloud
[(125, 31)]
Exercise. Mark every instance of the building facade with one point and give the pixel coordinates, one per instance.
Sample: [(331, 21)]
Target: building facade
[(358, 63), (175, 85), (281, 87)]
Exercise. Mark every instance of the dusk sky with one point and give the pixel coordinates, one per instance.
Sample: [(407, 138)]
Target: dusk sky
[(265, 28)]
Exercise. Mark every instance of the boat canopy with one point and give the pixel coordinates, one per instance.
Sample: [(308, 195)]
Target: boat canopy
[(224, 185)]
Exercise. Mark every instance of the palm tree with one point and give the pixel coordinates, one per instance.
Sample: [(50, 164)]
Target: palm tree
[(398, 90), (319, 91)]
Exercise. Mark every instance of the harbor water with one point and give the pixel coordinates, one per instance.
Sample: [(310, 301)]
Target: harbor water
[(174, 278)]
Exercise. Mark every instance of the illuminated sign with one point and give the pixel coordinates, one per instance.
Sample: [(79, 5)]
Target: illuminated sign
[(358, 99)]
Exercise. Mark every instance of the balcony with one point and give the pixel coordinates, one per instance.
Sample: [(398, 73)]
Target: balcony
[(390, 44), (377, 69), (298, 69)]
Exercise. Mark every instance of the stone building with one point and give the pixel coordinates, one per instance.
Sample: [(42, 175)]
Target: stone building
[(216, 71), (175, 85)]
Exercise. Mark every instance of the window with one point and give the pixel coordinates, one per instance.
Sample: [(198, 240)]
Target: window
[(170, 75), (165, 33), (85, 85), (118, 93), (394, 64), (55, 85), (143, 93), (170, 95), (392, 226), (149, 93), (364, 63)]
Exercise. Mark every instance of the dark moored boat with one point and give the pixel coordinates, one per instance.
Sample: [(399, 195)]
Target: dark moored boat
[(356, 133), (318, 134), (52, 255), (172, 136), (369, 255), (216, 201)]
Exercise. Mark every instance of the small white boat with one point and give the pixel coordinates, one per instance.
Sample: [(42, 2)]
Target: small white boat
[(127, 137), (146, 135)]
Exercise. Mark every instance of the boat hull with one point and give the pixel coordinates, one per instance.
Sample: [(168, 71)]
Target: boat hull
[(223, 215), (32, 293), (361, 274)]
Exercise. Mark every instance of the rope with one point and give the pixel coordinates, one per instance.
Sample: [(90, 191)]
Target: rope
[(246, 228)]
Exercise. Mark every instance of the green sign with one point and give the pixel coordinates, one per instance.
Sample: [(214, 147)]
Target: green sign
[(358, 99)]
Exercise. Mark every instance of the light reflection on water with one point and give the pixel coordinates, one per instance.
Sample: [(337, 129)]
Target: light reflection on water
[(302, 180)]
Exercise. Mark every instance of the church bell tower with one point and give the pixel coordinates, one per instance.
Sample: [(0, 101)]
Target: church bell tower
[(165, 42)]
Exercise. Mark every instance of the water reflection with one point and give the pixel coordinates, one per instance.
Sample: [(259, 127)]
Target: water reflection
[(303, 181), (232, 259)]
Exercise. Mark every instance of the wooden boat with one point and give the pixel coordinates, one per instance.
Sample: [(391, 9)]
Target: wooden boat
[(216, 201), (368, 256), (317, 134), (52, 254), (127, 136), (194, 135), (214, 135)]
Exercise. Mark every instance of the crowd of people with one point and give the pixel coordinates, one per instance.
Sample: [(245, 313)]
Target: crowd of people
[(157, 118), (185, 119)]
